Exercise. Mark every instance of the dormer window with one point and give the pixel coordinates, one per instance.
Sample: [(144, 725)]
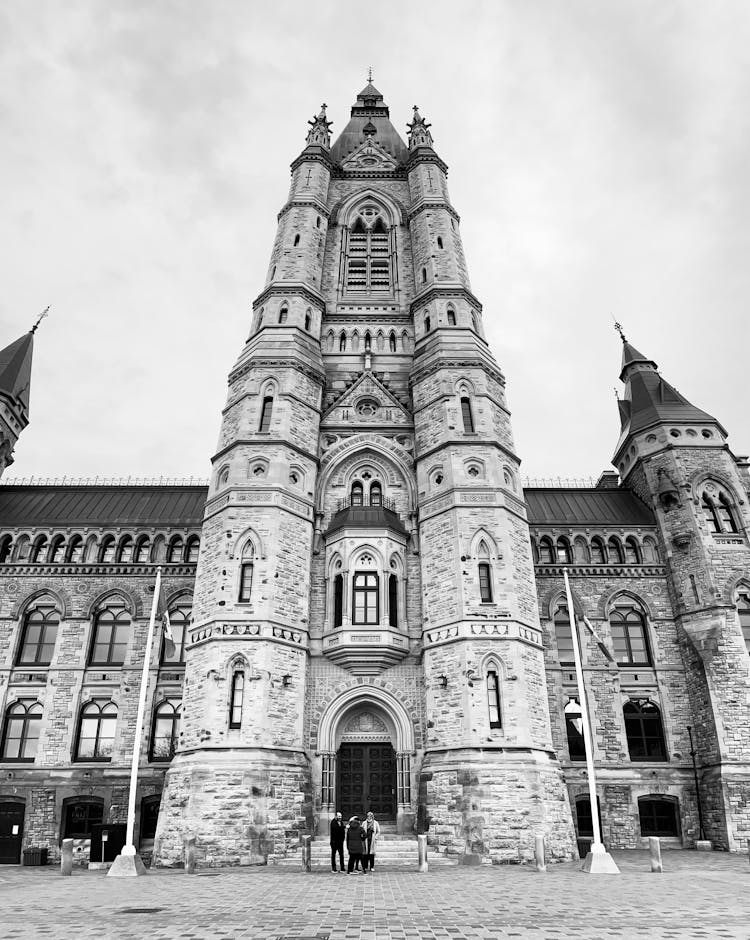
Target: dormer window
[(368, 266)]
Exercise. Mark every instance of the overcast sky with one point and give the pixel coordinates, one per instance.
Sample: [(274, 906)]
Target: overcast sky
[(599, 157)]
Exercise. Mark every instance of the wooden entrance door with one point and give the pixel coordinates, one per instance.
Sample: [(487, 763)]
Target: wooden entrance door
[(11, 833), (366, 780)]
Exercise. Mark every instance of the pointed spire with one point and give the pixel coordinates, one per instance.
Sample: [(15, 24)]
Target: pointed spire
[(319, 133), (418, 131), (15, 369)]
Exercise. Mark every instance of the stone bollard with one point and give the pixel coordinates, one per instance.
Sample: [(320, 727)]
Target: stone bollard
[(189, 855), (66, 859), (307, 853), (422, 851), (541, 865), (654, 849)]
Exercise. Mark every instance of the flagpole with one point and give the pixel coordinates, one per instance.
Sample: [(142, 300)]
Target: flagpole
[(597, 847), (126, 860)]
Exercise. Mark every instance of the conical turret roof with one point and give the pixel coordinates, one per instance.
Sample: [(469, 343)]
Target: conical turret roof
[(15, 369), (369, 108)]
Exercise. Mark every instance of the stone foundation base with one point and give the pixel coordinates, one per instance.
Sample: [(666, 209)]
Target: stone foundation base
[(241, 805), (493, 804)]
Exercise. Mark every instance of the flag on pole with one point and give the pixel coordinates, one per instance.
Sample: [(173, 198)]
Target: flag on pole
[(597, 639), (169, 643)]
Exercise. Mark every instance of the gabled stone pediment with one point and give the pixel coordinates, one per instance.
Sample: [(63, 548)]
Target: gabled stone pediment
[(367, 402), (369, 156)]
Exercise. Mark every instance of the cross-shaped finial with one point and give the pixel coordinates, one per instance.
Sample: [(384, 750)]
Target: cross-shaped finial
[(42, 315), (369, 74), (618, 327), (323, 106)]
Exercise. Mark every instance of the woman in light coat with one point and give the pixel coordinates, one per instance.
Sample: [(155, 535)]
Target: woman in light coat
[(371, 829)]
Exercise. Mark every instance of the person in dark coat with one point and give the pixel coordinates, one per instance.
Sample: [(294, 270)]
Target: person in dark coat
[(354, 844), (338, 834)]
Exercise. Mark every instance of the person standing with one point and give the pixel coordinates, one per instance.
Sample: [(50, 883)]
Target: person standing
[(338, 833), (354, 844), (371, 830)]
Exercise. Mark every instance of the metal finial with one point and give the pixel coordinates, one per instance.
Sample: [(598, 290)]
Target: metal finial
[(323, 106), (617, 394), (42, 315), (618, 327), (369, 74)]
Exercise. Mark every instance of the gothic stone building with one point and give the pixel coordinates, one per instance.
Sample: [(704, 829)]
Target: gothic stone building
[(369, 605)]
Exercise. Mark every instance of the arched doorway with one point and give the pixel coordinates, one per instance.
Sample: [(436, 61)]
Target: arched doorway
[(11, 831), (366, 767)]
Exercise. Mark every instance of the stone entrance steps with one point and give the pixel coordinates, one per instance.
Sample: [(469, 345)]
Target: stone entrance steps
[(394, 851)]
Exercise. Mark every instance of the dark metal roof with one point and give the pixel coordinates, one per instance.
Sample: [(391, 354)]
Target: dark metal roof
[(375, 517), (102, 505), (586, 507)]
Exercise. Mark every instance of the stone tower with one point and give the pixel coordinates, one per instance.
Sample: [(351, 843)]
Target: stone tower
[(675, 456), (15, 383), (365, 626)]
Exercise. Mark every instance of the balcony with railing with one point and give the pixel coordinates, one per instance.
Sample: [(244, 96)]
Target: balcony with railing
[(362, 512)]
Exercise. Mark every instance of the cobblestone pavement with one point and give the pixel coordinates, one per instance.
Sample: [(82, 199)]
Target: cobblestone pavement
[(701, 896)]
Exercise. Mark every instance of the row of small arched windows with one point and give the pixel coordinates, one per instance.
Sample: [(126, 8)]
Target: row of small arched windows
[(594, 551), (352, 341), (74, 550), (95, 734)]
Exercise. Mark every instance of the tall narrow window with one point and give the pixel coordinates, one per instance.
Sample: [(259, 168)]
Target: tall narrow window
[(110, 636), (308, 320), (265, 414), (107, 550), (39, 551), (616, 556), (485, 582), (142, 550), (365, 598), (393, 600), (376, 495), (629, 637), (193, 547), (546, 551), (644, 730), (179, 618), (338, 600), (564, 636), (424, 275), (710, 514), (75, 550), (296, 240), (342, 342), (283, 314), (246, 574), (96, 731), (392, 342), (357, 493), (175, 550), (427, 324), (439, 242), (632, 555), (574, 730), (493, 698), (451, 317), (467, 416), (21, 730), (564, 556), (165, 731), (6, 547), (368, 266), (40, 627), (237, 699), (743, 613), (125, 551), (57, 551), (726, 515), (598, 553)]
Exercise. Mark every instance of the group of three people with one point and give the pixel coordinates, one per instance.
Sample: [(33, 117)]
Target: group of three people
[(361, 841)]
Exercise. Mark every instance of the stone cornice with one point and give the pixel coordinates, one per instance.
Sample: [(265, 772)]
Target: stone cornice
[(288, 289), (226, 629), (421, 372), (313, 154), (363, 174), (67, 569), (436, 290), (317, 375), (602, 571), (498, 626), (263, 440), (423, 204), (425, 155), (311, 203), (468, 440)]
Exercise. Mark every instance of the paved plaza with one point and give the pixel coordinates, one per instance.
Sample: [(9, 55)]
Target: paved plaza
[(698, 896)]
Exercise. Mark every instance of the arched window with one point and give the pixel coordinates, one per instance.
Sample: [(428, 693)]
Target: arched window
[(644, 731), (357, 493), (710, 514), (75, 550), (80, 815), (564, 556), (598, 552), (39, 551), (583, 816), (265, 414), (466, 415), (485, 582), (743, 613), (6, 547), (57, 550), (107, 550), (574, 730), (365, 607), (23, 548), (546, 552), (179, 618), (368, 267), (564, 636), (376, 494), (439, 242), (342, 342), (424, 275), (659, 816), (125, 551), (308, 320), (393, 600), (338, 600), (142, 550), (451, 317), (427, 324), (581, 553), (246, 573), (726, 516), (165, 730), (283, 314), (650, 552), (296, 240), (193, 547), (21, 730), (149, 816), (175, 550), (629, 637), (96, 730), (40, 626), (109, 642), (392, 342), (616, 556), (493, 698), (236, 699), (632, 553)]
